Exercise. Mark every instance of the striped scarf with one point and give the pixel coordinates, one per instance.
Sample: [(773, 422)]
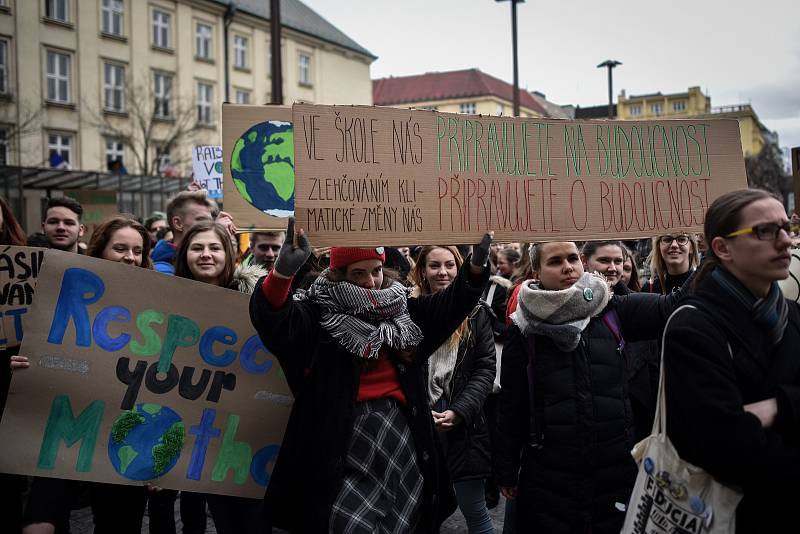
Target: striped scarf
[(770, 313), (363, 320)]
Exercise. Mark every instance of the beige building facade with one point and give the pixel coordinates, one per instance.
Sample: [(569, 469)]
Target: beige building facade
[(74, 72)]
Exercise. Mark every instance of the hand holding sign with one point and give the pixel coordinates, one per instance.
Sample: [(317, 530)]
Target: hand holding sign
[(291, 258), (480, 252)]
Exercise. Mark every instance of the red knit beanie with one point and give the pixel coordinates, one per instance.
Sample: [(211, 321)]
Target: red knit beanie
[(344, 256)]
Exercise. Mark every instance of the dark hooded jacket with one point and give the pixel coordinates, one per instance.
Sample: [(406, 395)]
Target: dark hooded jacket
[(716, 361), (572, 465), (324, 379), (466, 445)]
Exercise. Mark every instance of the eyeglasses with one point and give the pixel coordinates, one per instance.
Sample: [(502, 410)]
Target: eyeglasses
[(764, 232), (668, 239)]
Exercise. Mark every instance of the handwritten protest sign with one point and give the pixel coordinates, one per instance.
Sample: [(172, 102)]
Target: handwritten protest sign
[(207, 167), (258, 165), (132, 381), (369, 175), (19, 268)]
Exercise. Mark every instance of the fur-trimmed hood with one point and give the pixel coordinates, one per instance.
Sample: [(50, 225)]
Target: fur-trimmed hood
[(500, 281), (245, 277)]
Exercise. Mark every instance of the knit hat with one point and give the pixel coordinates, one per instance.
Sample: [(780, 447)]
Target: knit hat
[(344, 256)]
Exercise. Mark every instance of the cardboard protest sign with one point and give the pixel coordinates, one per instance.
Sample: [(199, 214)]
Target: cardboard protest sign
[(369, 176), (207, 167), (136, 376), (791, 286), (19, 268), (98, 205), (258, 165)]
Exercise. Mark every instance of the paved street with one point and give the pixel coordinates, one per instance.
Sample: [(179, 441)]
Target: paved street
[(82, 522)]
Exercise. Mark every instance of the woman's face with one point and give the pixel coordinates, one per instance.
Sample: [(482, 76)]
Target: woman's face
[(365, 273), (505, 267), (627, 270), (206, 257), (125, 246), (674, 249), (561, 265), (608, 261), (440, 269)]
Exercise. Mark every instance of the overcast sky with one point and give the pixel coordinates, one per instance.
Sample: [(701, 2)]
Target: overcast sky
[(748, 54)]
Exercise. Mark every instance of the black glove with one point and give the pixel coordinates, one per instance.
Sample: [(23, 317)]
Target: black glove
[(291, 258), (480, 252)]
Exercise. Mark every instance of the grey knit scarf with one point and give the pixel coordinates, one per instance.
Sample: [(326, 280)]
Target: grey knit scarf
[(363, 320), (561, 315)]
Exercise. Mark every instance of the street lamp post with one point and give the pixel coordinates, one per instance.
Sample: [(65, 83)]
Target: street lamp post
[(610, 63), (514, 52)]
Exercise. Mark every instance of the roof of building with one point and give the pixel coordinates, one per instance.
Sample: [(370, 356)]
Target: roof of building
[(299, 17), (433, 86), (648, 95), (552, 109), (594, 112)]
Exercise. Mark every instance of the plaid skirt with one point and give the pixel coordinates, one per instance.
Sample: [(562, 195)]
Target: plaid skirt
[(382, 486)]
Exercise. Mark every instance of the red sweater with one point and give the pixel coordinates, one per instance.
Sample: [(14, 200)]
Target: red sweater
[(380, 381)]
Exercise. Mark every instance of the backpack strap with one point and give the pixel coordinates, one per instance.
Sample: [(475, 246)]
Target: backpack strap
[(611, 320), (536, 398)]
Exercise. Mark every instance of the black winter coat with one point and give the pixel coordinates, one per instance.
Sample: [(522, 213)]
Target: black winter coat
[(466, 445), (707, 385), (571, 479), (324, 379)]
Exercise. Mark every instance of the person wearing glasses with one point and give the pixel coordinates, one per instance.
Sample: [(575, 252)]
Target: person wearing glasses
[(732, 368), (672, 259)]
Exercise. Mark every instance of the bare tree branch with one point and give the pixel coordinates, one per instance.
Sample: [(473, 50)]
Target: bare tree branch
[(142, 130)]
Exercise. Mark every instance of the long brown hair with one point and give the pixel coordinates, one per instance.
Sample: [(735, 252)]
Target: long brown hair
[(182, 265), (633, 284), (658, 267), (11, 232), (723, 217), (103, 234), (420, 281)]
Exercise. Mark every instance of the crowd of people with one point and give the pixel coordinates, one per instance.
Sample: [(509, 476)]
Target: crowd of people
[(430, 378)]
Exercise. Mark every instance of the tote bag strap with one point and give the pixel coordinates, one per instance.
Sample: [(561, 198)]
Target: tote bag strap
[(660, 420)]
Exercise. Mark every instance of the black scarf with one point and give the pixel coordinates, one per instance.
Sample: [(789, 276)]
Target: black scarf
[(769, 313)]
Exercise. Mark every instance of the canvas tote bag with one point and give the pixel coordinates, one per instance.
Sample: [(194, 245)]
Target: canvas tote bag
[(671, 495)]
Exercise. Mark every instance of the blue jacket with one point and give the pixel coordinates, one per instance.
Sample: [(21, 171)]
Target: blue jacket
[(163, 255)]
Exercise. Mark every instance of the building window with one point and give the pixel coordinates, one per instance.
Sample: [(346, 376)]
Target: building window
[(59, 148), (4, 148), (3, 66), (161, 29), (57, 10), (115, 154), (500, 110), (467, 107), (203, 41), (242, 97), (304, 66), (58, 67), (680, 105), (240, 52), (636, 111), (114, 87), (162, 92), (656, 108), (205, 98), (112, 17)]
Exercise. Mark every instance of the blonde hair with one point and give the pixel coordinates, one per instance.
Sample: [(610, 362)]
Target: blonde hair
[(658, 267), (422, 287)]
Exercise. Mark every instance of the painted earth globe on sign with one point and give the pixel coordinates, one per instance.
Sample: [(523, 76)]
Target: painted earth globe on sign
[(146, 442), (262, 166)]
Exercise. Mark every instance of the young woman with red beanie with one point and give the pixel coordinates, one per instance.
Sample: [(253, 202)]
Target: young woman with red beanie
[(359, 454)]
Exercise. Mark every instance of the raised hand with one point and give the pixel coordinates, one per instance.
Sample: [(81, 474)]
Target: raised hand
[(291, 258), (480, 252)]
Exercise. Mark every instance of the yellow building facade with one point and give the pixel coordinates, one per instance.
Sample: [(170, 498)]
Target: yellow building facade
[(69, 66), (695, 104)]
